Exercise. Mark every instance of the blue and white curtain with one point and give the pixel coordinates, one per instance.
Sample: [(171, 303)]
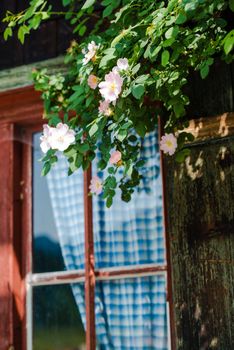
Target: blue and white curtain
[(130, 313)]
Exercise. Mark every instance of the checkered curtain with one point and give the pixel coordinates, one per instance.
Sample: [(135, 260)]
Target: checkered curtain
[(130, 313)]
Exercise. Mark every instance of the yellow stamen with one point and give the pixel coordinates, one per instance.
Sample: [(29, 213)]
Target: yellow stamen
[(93, 59), (169, 143), (112, 87)]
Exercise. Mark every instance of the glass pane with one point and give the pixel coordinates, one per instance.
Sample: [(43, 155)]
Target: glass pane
[(57, 323), (47, 254), (132, 233), (58, 216), (132, 313)]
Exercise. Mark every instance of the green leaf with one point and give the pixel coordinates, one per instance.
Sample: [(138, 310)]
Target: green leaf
[(204, 71), (7, 33), (66, 2), (231, 5), (111, 182), (82, 30), (138, 91), (102, 164), (140, 163), (35, 21), (129, 170), (165, 57), (141, 129), (190, 6), (122, 134), (84, 147), (46, 168), (182, 18), (109, 55), (89, 101), (172, 32), (167, 43), (181, 155), (108, 10), (23, 30), (109, 202), (141, 79), (111, 170), (179, 110), (126, 197), (93, 130), (229, 42), (126, 125), (136, 68), (70, 152), (87, 4)]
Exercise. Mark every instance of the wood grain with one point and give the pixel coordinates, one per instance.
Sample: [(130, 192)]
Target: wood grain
[(200, 200)]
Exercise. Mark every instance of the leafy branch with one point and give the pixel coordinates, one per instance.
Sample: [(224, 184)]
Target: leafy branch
[(133, 66)]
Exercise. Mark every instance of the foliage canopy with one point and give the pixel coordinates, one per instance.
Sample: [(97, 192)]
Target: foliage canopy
[(163, 42)]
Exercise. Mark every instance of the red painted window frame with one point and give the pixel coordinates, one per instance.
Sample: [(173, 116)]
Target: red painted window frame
[(20, 115)]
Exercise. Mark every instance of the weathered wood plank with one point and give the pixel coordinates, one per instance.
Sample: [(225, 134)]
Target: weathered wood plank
[(21, 76), (213, 95), (213, 127), (200, 199)]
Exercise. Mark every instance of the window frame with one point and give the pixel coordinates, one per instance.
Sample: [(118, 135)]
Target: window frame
[(21, 117)]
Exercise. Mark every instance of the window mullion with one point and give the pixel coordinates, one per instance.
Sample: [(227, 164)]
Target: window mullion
[(89, 265), (167, 244)]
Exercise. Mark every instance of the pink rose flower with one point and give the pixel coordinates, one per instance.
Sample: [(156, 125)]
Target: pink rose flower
[(111, 87), (45, 138), (168, 144), (96, 185), (92, 81), (115, 157), (122, 64), (104, 108)]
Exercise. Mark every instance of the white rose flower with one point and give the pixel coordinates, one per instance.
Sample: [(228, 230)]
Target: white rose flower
[(61, 137), (91, 53)]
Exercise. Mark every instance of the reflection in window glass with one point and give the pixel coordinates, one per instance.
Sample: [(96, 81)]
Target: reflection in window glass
[(47, 254), (56, 320)]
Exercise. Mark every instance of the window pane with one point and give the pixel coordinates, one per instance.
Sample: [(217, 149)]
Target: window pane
[(58, 216), (57, 323), (47, 254), (132, 314), (132, 233)]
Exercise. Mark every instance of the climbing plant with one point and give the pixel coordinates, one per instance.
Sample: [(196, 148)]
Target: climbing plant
[(130, 63)]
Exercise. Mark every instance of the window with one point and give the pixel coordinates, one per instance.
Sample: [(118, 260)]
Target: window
[(124, 290)]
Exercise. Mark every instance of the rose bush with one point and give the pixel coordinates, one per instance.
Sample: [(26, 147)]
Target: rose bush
[(131, 67)]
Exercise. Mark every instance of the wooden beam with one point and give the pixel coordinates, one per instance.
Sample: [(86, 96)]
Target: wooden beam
[(113, 273), (12, 309), (167, 246), (89, 265), (212, 127), (21, 106), (6, 235), (21, 76)]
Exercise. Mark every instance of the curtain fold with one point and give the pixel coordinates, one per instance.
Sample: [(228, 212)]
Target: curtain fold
[(130, 313)]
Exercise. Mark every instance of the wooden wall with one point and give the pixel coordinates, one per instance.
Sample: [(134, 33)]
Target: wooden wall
[(200, 202), (213, 95), (51, 40)]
